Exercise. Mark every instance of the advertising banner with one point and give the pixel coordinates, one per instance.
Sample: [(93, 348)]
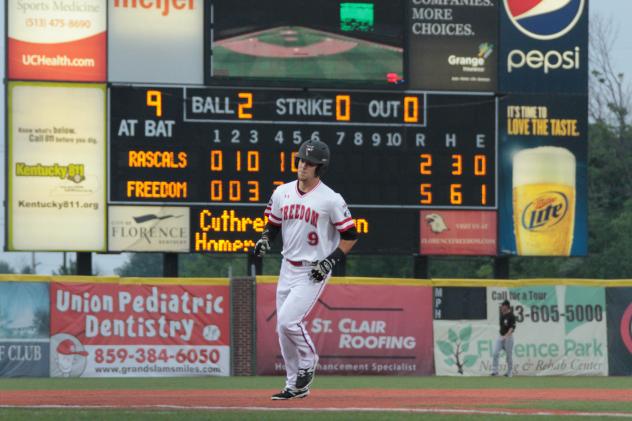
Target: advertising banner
[(560, 330), (115, 330), (619, 304), (378, 329), (453, 45), (24, 329), (544, 46), (543, 175), (148, 228), (57, 40), (156, 41), (56, 167), (457, 232)]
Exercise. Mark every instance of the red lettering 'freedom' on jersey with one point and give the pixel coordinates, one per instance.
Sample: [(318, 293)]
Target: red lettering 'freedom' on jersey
[(310, 223)]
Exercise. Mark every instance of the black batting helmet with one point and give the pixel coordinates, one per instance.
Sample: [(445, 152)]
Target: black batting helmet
[(316, 152)]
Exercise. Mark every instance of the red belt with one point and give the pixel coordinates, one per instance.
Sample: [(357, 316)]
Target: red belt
[(301, 263)]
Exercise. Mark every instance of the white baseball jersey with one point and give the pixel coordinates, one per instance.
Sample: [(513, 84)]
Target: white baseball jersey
[(310, 223)]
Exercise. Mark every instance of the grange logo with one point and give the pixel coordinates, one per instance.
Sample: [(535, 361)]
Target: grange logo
[(545, 211), (544, 19), (474, 62)]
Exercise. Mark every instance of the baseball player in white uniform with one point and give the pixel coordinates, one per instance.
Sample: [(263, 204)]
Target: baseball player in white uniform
[(317, 232)]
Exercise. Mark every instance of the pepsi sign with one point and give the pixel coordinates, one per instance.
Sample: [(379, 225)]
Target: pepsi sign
[(544, 46), (544, 19)]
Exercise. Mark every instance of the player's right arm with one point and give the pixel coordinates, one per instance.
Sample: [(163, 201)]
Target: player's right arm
[(272, 228)]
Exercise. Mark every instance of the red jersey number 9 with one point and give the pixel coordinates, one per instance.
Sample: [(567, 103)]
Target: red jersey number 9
[(312, 238)]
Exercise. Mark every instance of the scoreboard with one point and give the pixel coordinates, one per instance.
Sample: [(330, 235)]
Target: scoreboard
[(223, 150), (229, 146), (166, 126)]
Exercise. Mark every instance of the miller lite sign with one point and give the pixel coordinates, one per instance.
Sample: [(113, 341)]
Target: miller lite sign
[(544, 46)]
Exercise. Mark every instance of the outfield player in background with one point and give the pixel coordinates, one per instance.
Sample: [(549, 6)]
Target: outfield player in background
[(505, 340), (317, 232)]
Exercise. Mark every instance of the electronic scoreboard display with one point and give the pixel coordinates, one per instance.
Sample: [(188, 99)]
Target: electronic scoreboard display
[(233, 146), (222, 151)]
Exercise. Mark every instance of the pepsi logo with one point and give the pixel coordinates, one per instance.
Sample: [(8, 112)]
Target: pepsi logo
[(544, 19)]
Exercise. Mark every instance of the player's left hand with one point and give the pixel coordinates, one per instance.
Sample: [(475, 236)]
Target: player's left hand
[(321, 270), (262, 247)]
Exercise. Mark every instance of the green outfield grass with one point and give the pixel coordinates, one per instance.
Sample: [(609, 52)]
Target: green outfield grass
[(263, 383), (322, 382)]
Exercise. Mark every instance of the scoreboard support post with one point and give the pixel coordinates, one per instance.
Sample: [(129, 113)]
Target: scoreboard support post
[(341, 268), (255, 265), (420, 266), (501, 267), (84, 263), (170, 265)]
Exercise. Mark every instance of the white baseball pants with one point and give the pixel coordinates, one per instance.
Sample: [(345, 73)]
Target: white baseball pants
[(296, 295)]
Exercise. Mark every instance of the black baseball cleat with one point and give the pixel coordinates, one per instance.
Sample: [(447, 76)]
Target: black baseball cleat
[(286, 394), (304, 378)]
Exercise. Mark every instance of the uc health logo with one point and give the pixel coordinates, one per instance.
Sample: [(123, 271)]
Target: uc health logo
[(547, 210), (544, 19)]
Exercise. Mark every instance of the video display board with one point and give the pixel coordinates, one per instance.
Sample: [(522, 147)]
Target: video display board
[(300, 41)]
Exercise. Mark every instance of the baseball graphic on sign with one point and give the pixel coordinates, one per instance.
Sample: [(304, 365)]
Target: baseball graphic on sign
[(211, 333), (68, 357)]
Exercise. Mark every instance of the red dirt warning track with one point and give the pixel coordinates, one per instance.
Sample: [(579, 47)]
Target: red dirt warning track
[(413, 400)]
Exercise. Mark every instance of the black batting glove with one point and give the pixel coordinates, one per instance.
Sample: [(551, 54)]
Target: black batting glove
[(262, 246), (325, 266), (267, 236), (321, 270)]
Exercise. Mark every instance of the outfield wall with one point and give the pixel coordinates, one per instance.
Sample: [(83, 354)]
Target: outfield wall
[(142, 327)]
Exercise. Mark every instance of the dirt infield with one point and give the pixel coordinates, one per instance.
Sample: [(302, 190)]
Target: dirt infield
[(257, 48), (481, 401)]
